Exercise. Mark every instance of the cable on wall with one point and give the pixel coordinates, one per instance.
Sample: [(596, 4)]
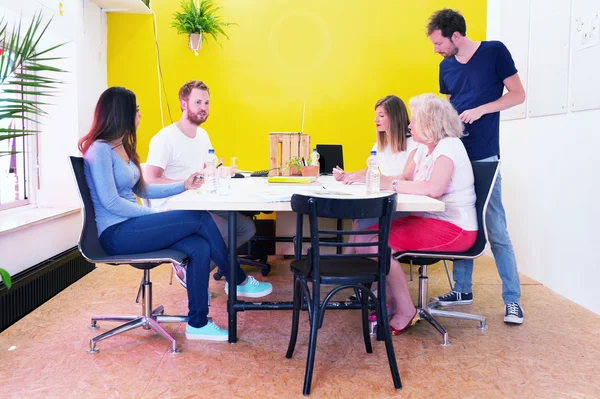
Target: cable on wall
[(161, 81)]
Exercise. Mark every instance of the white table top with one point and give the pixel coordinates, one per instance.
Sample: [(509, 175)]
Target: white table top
[(255, 194)]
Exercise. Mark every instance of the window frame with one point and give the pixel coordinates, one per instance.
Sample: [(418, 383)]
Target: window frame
[(30, 161)]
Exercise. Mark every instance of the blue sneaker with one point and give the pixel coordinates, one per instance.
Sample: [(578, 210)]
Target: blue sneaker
[(252, 289), (210, 332), (513, 313)]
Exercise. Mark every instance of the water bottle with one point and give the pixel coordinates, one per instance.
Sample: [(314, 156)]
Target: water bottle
[(373, 175), (314, 158), (211, 180)]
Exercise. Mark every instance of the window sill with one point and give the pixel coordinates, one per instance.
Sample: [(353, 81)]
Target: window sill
[(23, 217)]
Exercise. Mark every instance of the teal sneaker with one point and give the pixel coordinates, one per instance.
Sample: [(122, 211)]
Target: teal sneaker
[(210, 332), (252, 289)]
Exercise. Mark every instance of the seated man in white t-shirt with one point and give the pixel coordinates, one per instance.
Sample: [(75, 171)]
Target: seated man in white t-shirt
[(181, 149)]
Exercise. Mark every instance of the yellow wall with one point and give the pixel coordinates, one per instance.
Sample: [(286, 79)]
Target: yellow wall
[(340, 56)]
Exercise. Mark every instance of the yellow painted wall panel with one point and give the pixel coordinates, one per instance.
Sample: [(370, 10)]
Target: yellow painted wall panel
[(340, 56)]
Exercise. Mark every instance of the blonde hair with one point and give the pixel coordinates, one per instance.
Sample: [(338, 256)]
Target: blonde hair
[(434, 118), (186, 89)]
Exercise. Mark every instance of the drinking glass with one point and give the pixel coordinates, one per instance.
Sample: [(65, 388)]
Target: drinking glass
[(224, 174)]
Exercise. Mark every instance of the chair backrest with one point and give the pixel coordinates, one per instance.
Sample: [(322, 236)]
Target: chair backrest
[(485, 174), (89, 244), (342, 208)]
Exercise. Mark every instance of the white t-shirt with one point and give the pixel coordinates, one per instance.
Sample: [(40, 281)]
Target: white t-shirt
[(177, 154), (460, 194), (390, 163)]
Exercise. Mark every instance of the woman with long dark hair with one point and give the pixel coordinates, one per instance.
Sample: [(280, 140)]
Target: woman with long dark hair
[(112, 171)]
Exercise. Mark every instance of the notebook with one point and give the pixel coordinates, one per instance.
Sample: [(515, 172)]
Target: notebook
[(330, 156), (292, 179)]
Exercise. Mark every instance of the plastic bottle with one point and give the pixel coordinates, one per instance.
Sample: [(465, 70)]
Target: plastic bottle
[(211, 180), (314, 158), (373, 175)]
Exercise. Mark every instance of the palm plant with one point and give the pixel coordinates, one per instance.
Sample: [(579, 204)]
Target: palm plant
[(25, 82), (199, 17)]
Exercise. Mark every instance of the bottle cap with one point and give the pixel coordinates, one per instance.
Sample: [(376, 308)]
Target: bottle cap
[(211, 151), (373, 152)]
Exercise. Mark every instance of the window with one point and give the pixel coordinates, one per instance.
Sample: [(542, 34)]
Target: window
[(18, 155)]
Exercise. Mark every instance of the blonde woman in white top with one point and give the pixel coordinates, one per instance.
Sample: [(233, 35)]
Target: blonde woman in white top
[(440, 168)]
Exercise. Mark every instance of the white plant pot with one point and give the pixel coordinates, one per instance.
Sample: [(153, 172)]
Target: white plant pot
[(195, 41)]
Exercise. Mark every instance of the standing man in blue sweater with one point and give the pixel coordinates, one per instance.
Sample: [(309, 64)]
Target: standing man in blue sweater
[(473, 76)]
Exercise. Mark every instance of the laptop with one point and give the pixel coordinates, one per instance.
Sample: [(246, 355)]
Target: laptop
[(330, 156)]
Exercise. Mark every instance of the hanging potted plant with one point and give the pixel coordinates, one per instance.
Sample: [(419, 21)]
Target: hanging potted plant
[(198, 20)]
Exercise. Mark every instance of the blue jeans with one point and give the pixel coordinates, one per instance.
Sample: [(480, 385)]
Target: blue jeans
[(502, 249), (192, 232)]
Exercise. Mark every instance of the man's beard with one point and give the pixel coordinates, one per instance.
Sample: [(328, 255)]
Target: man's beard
[(451, 54), (198, 119)]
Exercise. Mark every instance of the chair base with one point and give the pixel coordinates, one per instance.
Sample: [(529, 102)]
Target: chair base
[(148, 320), (430, 311), (133, 322)]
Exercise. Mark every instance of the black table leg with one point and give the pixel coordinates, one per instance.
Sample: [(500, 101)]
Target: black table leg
[(231, 311)]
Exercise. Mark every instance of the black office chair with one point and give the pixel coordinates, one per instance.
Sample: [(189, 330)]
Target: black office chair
[(90, 248), (485, 176), (351, 271), (251, 259)]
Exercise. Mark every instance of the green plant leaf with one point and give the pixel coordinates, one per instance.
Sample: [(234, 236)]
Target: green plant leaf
[(26, 75), (200, 18), (6, 278)]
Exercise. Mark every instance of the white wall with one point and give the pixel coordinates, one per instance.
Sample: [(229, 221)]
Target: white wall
[(550, 179), (84, 28)]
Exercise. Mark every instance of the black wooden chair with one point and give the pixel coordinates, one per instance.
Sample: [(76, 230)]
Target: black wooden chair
[(90, 248), (485, 176), (345, 271)]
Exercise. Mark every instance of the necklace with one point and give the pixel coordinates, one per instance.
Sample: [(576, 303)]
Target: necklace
[(117, 145)]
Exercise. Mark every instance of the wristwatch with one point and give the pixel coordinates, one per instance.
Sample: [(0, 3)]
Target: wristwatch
[(394, 185)]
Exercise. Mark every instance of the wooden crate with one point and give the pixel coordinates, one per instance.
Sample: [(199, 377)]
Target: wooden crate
[(283, 147)]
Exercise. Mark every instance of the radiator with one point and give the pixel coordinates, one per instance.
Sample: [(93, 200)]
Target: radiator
[(34, 286)]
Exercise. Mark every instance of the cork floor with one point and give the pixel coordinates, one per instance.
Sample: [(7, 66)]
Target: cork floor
[(555, 354)]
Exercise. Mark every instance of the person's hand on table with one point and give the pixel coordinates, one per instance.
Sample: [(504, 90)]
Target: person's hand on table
[(385, 182), (193, 182), (350, 178), (338, 173)]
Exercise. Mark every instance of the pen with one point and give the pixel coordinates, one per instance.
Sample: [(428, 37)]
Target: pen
[(303, 162), (220, 164)]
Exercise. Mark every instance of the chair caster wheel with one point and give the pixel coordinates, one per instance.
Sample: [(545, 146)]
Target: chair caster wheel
[(266, 270), (217, 276)]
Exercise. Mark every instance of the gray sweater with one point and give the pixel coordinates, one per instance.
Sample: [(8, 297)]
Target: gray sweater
[(111, 181)]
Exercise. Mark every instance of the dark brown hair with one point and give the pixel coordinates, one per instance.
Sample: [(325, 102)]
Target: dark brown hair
[(447, 21), (114, 118)]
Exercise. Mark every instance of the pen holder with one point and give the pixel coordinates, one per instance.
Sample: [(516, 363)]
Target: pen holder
[(309, 170)]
